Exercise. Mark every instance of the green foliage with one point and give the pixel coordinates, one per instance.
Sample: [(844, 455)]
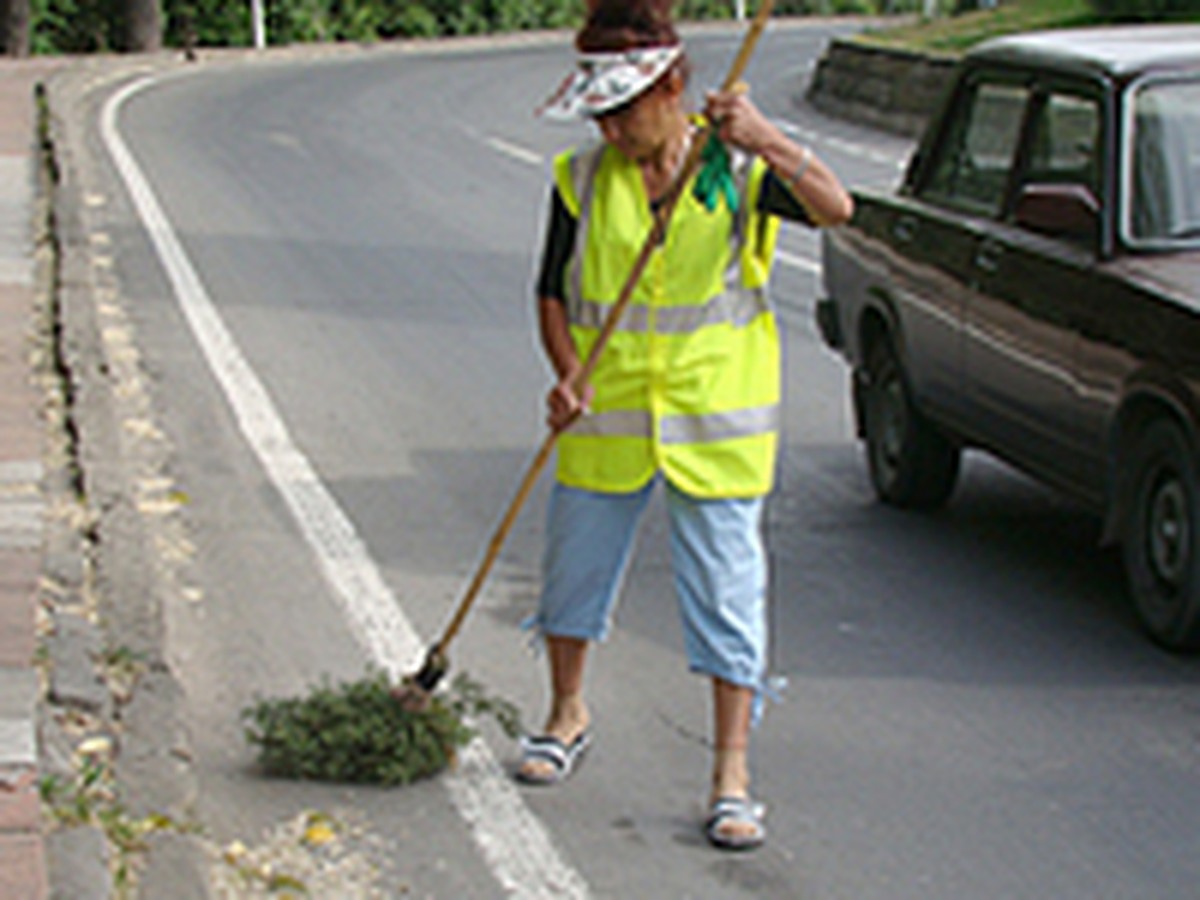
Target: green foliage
[(206, 23), (85, 26), (468, 699), (1147, 10), (957, 33), (69, 26), (358, 732), (705, 9), (408, 20), (562, 13)]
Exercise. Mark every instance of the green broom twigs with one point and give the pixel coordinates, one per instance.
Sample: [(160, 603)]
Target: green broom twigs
[(356, 732)]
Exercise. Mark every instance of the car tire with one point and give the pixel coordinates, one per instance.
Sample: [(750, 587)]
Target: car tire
[(1162, 536), (912, 464)]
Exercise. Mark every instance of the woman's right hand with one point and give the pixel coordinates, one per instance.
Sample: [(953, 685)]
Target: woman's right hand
[(564, 404)]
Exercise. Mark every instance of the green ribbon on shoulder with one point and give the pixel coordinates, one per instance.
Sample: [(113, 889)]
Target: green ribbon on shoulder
[(715, 178)]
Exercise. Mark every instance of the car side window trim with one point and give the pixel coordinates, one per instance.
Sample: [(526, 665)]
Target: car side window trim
[(969, 167), (1129, 164)]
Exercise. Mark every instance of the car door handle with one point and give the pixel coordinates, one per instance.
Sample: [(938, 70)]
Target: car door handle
[(987, 257), (905, 229)]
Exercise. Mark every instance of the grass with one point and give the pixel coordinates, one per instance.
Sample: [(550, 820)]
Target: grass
[(952, 35)]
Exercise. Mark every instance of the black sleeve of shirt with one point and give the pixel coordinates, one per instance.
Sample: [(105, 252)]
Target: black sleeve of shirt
[(560, 241), (777, 199)]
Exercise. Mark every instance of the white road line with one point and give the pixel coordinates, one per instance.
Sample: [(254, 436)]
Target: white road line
[(518, 153), (514, 842), (850, 148)]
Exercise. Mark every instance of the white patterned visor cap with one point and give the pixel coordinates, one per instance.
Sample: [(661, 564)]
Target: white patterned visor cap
[(604, 81)]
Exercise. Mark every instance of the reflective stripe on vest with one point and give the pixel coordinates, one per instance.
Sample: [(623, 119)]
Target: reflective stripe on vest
[(680, 429), (735, 307)]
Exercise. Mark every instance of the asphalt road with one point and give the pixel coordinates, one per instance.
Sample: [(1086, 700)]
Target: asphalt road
[(970, 710)]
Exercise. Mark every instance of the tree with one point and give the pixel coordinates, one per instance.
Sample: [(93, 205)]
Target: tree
[(14, 27), (137, 26)]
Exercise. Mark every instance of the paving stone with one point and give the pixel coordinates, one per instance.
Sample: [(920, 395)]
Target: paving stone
[(20, 804), (23, 867), (175, 866), (74, 648), (153, 767), (77, 859), (23, 870), (18, 580), (18, 698)]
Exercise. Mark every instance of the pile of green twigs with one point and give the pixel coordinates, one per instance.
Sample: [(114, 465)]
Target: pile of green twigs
[(358, 732)]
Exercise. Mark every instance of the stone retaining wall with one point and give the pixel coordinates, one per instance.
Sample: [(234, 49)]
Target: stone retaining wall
[(887, 88)]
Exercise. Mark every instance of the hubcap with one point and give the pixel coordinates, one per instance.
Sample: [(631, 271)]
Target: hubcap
[(892, 421), (1169, 534)]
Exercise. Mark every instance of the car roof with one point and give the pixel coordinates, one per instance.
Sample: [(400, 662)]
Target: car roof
[(1117, 51)]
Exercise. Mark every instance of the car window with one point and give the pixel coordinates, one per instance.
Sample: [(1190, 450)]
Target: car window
[(1165, 184), (1062, 167), (972, 167), (1065, 145)]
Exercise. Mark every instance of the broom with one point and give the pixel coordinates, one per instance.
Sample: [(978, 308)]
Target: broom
[(416, 689)]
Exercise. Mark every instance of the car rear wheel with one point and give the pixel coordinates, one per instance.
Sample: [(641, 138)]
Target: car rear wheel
[(1162, 537), (912, 464)]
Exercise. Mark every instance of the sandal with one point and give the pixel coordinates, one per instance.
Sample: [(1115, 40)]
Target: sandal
[(741, 811), (560, 757)]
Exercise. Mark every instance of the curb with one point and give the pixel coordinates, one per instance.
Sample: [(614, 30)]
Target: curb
[(114, 743)]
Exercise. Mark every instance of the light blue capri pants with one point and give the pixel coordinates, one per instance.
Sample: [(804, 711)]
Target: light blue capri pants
[(719, 565)]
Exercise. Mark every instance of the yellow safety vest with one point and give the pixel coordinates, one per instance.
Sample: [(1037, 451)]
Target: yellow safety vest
[(689, 383)]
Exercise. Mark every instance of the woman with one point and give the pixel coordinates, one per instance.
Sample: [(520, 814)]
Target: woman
[(686, 391)]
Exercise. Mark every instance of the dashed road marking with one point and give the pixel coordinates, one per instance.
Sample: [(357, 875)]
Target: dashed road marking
[(841, 145), (514, 151)]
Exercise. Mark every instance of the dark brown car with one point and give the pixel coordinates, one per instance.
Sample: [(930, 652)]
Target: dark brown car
[(1033, 289)]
